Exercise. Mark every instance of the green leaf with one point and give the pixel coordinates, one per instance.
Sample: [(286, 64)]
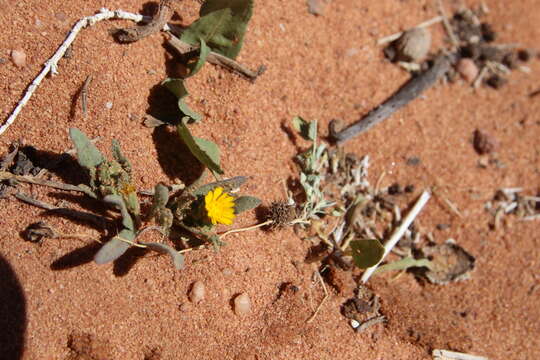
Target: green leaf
[(177, 258), (204, 150), (88, 155), (366, 253), (177, 87), (118, 156), (161, 196), (196, 66), (114, 248), (308, 130), (222, 25), (227, 185), (403, 264), (245, 203), (117, 200)]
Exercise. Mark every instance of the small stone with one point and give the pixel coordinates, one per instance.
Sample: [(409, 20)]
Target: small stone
[(467, 69), (442, 227), (413, 161), (19, 58), (184, 307), (395, 189), (483, 142), (354, 324), (317, 7), (409, 188), (413, 45), (196, 295), (60, 16), (524, 55), (496, 81), (108, 105), (483, 162), (242, 304)]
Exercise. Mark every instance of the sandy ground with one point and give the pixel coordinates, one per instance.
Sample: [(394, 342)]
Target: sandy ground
[(56, 302)]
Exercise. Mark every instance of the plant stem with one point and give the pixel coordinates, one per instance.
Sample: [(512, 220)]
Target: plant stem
[(216, 59), (268, 222), (399, 231), (408, 92)]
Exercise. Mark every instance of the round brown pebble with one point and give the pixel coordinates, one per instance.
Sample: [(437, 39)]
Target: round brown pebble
[(19, 58), (413, 45), (467, 69), (197, 293), (242, 304)]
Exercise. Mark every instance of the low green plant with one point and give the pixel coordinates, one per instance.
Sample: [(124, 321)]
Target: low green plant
[(315, 164), (197, 208)]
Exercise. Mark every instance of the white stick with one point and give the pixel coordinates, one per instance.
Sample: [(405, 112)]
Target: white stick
[(52, 63), (396, 36), (398, 233), (452, 355)]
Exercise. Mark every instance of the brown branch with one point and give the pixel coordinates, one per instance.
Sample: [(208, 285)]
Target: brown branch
[(132, 34), (408, 92), (217, 59), (6, 175), (76, 214)]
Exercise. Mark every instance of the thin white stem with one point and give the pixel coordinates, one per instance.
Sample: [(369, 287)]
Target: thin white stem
[(51, 65), (447, 354), (396, 36), (398, 233)]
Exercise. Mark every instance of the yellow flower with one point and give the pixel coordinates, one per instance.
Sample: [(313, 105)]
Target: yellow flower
[(219, 206)]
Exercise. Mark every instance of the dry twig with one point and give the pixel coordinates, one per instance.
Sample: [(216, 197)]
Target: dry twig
[(76, 214), (312, 317), (132, 34), (84, 95), (399, 231), (408, 92), (216, 59), (51, 65)]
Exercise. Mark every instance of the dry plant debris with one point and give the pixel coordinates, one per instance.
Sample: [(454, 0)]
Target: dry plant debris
[(510, 201), (471, 52), (363, 309)]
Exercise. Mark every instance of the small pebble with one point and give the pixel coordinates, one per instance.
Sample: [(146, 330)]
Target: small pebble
[(242, 304), (496, 81), (185, 307), (524, 55), (484, 143), (316, 7), (196, 295), (19, 58), (395, 189), (355, 324), (467, 69), (442, 227), (109, 105), (413, 45), (60, 16), (413, 161)]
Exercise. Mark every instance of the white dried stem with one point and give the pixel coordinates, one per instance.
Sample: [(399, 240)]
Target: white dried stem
[(398, 233), (51, 65), (453, 355), (396, 36)]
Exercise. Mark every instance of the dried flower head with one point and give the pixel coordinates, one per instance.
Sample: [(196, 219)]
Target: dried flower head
[(281, 213), (219, 207)]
